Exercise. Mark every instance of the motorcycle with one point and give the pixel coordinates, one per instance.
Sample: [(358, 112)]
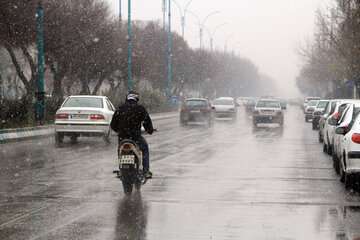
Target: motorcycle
[(130, 171)]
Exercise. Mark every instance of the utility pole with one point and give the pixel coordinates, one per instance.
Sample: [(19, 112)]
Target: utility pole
[(40, 94), (130, 83), (169, 57)]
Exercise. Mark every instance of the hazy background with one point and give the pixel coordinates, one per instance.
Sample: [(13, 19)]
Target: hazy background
[(267, 32)]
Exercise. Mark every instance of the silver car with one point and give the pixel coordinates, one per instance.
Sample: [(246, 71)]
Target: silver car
[(84, 116), (225, 107)]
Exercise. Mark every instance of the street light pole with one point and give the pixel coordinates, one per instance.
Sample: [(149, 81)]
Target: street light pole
[(169, 57), (130, 83), (183, 12), (202, 24), (40, 95), (164, 13), (120, 11), (212, 34)]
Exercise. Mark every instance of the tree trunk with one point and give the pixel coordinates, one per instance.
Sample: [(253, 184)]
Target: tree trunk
[(98, 84), (28, 86)]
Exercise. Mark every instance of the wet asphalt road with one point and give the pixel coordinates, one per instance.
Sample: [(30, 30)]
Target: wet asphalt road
[(228, 182)]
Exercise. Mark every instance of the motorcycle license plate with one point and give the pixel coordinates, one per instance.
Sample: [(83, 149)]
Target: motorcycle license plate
[(127, 159)]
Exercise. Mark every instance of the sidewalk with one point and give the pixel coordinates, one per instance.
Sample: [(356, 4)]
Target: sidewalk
[(21, 134)]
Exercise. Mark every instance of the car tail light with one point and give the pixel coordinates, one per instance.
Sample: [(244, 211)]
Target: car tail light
[(356, 138), (337, 116), (62, 116), (97, 117), (256, 112), (205, 110)]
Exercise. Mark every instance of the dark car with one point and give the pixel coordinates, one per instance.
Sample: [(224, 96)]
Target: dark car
[(196, 110)]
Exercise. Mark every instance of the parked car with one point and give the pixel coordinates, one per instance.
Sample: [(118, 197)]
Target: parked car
[(196, 110), (346, 120), (319, 110), (329, 110), (225, 107), (83, 116), (349, 164), (307, 100), (268, 111), (309, 109), (331, 123)]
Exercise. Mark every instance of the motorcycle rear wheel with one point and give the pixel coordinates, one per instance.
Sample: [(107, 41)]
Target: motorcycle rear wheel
[(128, 187)]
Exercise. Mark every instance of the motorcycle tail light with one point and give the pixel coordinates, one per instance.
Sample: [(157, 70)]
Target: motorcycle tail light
[(127, 146), (356, 138)]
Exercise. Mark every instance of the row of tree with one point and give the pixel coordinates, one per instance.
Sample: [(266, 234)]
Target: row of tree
[(85, 48), (332, 60)]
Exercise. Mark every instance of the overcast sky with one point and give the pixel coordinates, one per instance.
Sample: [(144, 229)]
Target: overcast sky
[(265, 31)]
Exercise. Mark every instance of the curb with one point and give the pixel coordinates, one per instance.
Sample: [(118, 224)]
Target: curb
[(23, 134)]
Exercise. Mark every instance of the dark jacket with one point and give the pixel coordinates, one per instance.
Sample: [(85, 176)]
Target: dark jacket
[(128, 118)]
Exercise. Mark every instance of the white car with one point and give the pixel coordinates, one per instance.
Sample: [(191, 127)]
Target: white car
[(84, 116), (319, 110), (225, 107), (330, 124), (268, 111), (308, 99), (346, 120), (330, 108), (349, 164)]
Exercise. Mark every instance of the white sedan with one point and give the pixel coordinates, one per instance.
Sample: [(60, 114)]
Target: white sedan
[(350, 149), (225, 107), (84, 116)]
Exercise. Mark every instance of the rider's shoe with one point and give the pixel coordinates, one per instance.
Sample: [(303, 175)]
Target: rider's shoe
[(148, 174)]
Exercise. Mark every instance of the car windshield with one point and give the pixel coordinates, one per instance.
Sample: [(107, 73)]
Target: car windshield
[(268, 104), (195, 103), (322, 104), (313, 103), (223, 102), (84, 102)]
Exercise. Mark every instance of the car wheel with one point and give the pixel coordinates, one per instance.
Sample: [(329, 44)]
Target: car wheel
[(321, 140), (342, 172), (314, 126), (325, 148), (281, 122), (335, 162), (73, 138), (349, 181), (330, 149), (59, 138), (107, 137)]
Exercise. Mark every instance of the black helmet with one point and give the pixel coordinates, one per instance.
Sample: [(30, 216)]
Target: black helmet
[(132, 96)]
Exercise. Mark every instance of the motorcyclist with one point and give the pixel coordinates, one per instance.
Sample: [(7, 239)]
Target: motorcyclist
[(127, 121)]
